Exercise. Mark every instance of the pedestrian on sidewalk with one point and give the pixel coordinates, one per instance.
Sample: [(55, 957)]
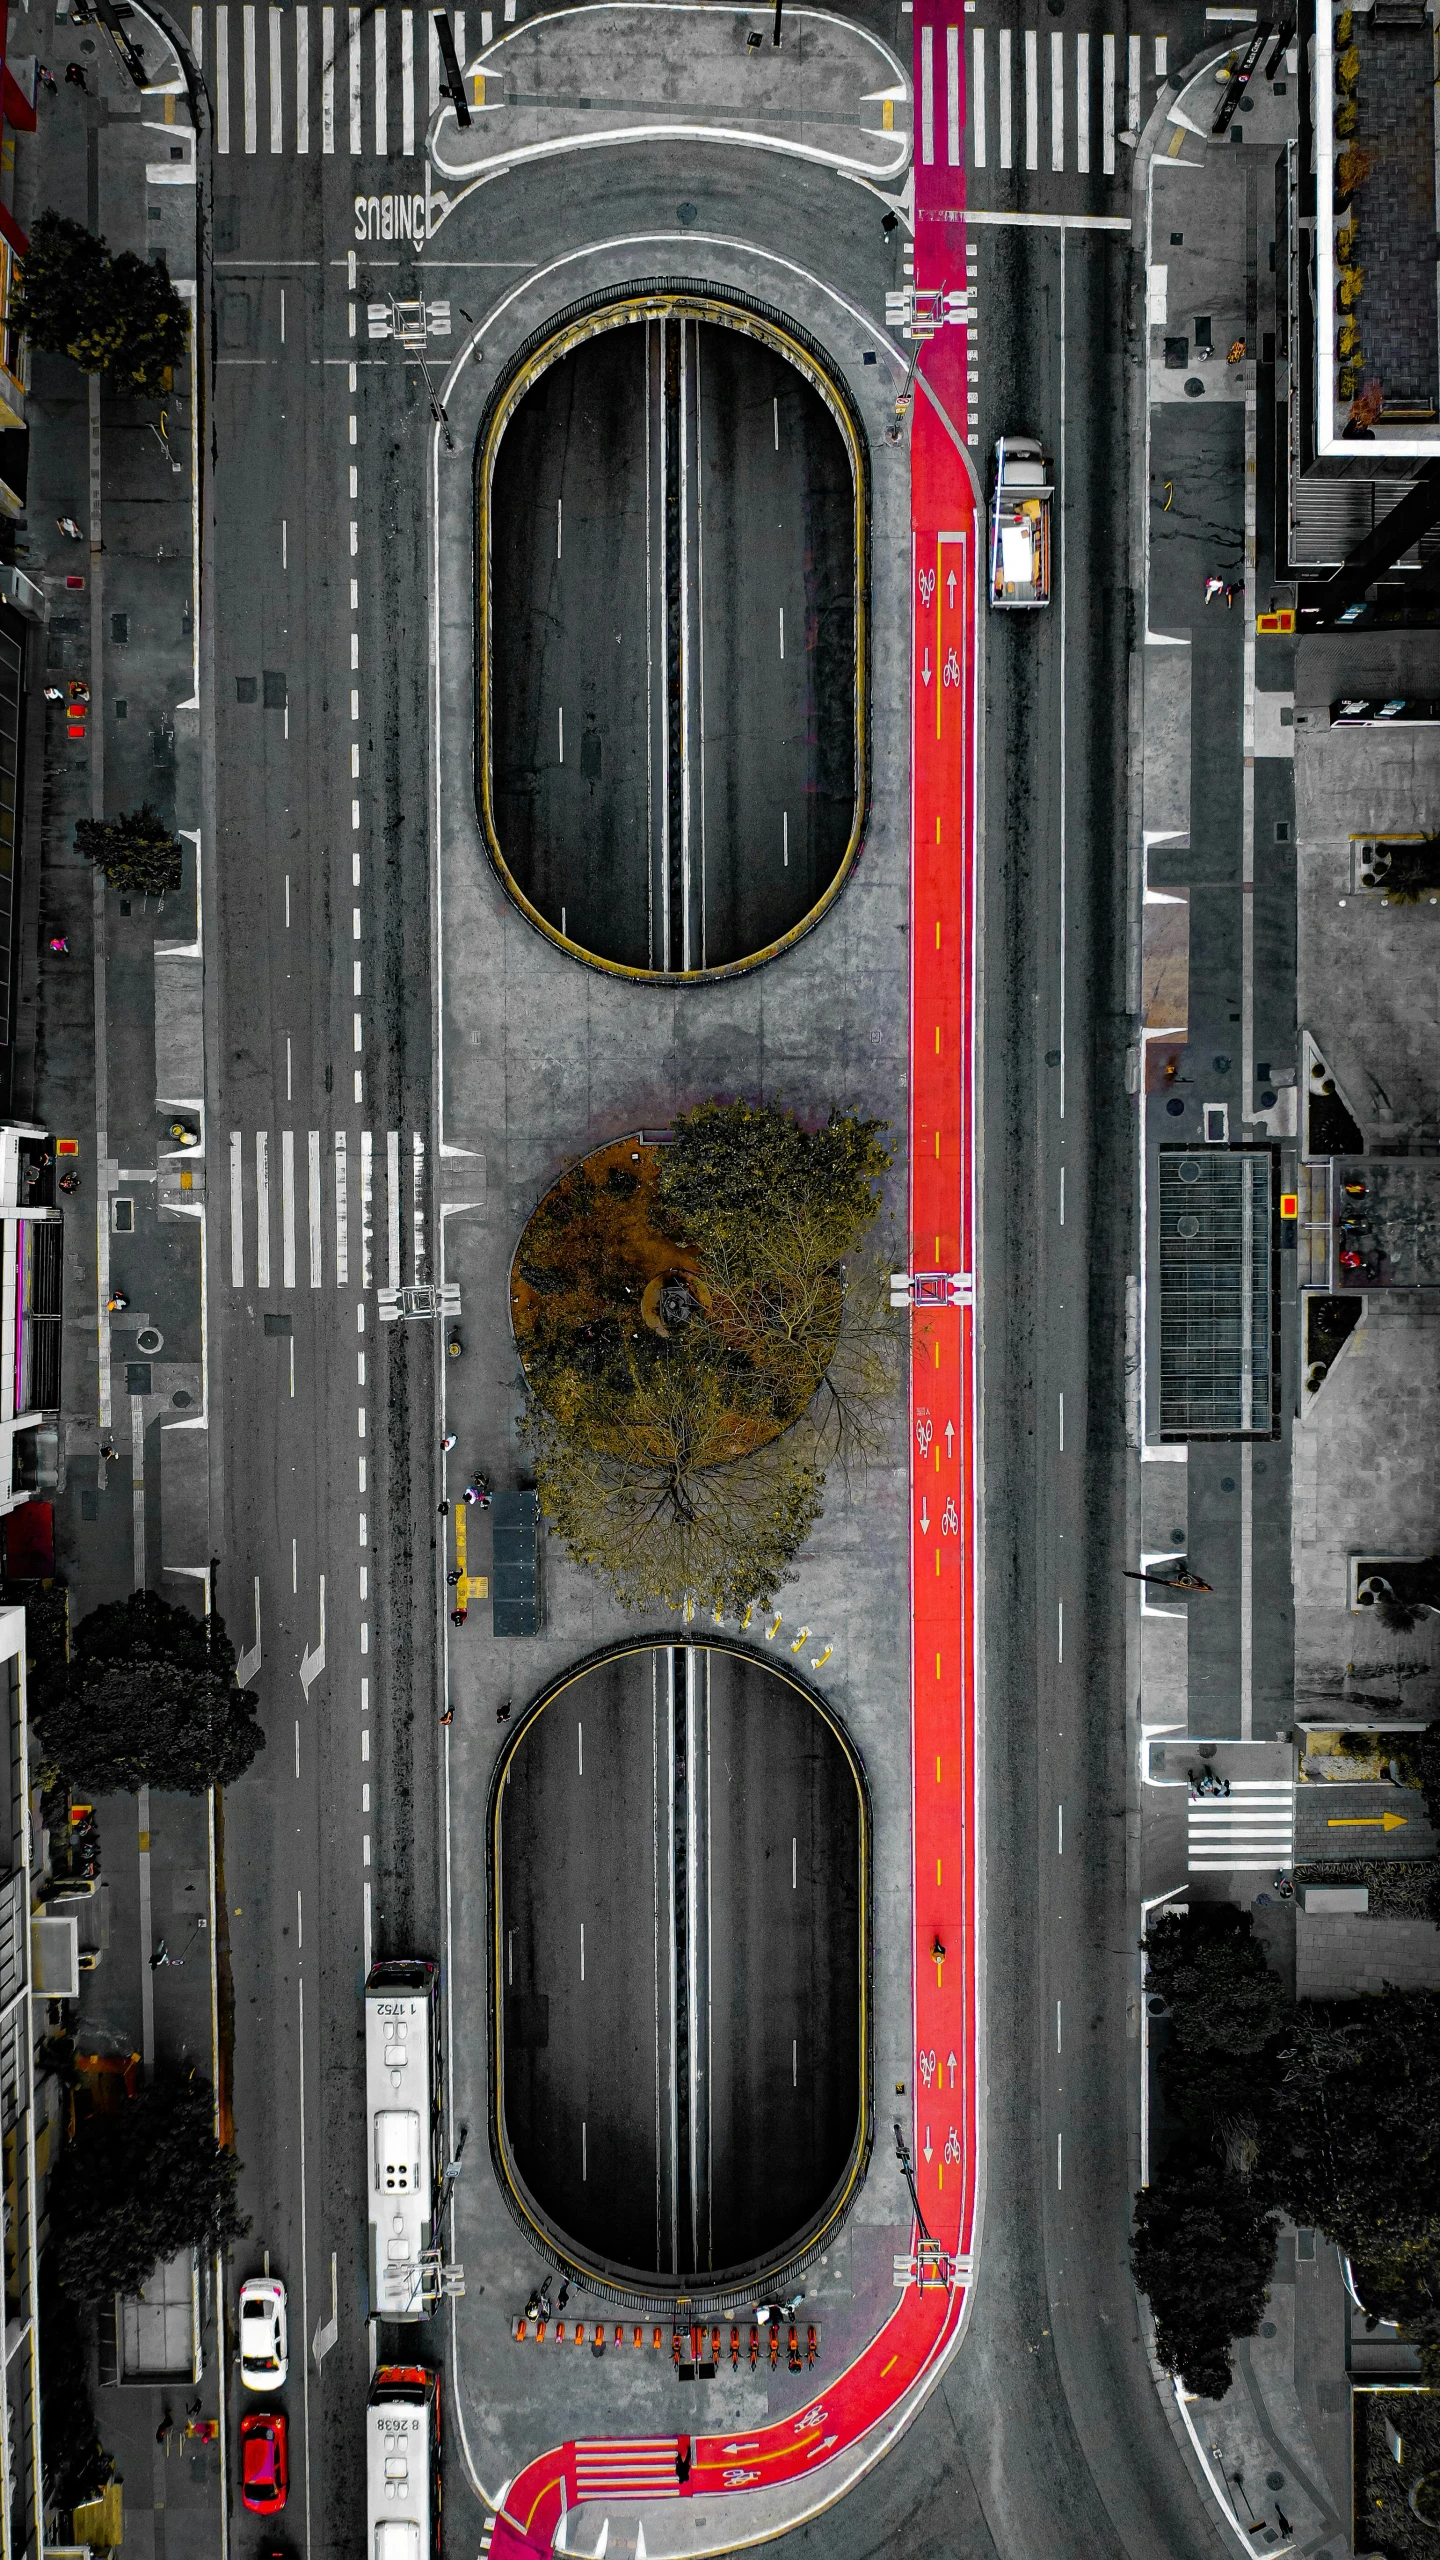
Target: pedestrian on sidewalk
[(47, 80), (1186, 1581), (59, 942), (502, 1714), (54, 693), (117, 1305), (69, 1181), (442, 1508), (456, 1576), (458, 1617), (1214, 587), (447, 1444), (70, 528), (193, 2407), (449, 1716), (74, 76), (470, 1493)]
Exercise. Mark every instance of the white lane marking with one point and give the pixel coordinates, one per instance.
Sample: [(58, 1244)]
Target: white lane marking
[(316, 1253), (487, 27), (287, 1208), (292, 1364), (237, 1212), (354, 643), (1060, 1631), (777, 425), (382, 79), (559, 528), (289, 1073), (1059, 2045), (1057, 102), (294, 1564), (355, 923), (1162, 56), (1107, 105), (342, 1212), (580, 1746), (1059, 2160), (262, 1208), (327, 78), (407, 82), (562, 732), (283, 561), (584, 2151), (277, 106), (359, 1034), (785, 838), (360, 1422), (1062, 1195), (432, 55), (1062, 1422), (782, 633), (1082, 104), (304, 2246), (302, 77), (297, 1749), (952, 96), (222, 77), (1007, 101), (1133, 100), (582, 1950), (197, 34), (312, 1660), (417, 1206), (1032, 98), (794, 1863), (354, 65), (1064, 701), (247, 43), (1060, 1830), (977, 92), (392, 1204), (927, 95)]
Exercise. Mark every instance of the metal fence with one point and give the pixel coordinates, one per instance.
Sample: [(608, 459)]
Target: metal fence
[(1217, 1294)]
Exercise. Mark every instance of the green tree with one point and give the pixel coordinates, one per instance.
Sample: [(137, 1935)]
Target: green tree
[(118, 316), (1211, 1969), (138, 853), (76, 2463), (150, 1700), (691, 1463), (138, 2184), (1353, 2141), (1203, 2252)]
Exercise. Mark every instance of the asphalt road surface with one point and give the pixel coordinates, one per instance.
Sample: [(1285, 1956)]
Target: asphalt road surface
[(672, 633), (681, 1957)]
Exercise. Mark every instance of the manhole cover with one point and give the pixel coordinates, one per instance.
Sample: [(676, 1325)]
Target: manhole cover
[(149, 1340), (1175, 1106), (1274, 2479), (1227, 1484), (1187, 1226), (1189, 1171), (687, 212), (1194, 388)]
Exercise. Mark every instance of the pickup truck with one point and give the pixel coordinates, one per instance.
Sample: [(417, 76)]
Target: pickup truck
[(1020, 525)]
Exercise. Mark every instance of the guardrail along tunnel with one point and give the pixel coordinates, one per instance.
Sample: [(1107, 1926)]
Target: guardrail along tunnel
[(679, 1837)]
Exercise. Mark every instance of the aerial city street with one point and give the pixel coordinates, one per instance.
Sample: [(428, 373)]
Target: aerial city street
[(720, 1231)]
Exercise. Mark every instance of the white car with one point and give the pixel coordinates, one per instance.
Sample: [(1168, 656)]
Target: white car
[(264, 2335)]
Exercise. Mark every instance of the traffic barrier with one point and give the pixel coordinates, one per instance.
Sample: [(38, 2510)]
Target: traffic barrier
[(697, 2349)]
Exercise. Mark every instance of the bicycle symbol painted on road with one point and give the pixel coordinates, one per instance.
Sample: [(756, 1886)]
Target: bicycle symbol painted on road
[(952, 2147), (952, 668), (950, 1519), (927, 586), (924, 1430), (927, 2067), (739, 2479)]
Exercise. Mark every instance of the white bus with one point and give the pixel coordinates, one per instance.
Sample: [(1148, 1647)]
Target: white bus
[(402, 2464), (405, 2135)]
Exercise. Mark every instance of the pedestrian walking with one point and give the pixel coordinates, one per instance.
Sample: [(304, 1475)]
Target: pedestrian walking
[(165, 2431), (69, 1181), (502, 1714), (447, 1444), (449, 1716), (563, 2296), (59, 942), (458, 1617), (470, 1494), (47, 80), (74, 76), (937, 1949), (70, 528), (1214, 587), (193, 2407), (54, 693), (442, 1508), (454, 1577), (117, 1305)]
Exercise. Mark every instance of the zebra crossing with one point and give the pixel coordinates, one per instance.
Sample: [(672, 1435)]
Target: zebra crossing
[(1254, 1826), (362, 82), (335, 1208), (1031, 98)]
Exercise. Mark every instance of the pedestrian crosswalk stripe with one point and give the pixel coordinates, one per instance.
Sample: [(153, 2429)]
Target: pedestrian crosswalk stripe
[(388, 87), (1004, 105), (325, 1199)]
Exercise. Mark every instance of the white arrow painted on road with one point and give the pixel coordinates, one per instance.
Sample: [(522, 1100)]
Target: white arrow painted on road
[(750, 2445), (313, 1663), (327, 2331), (925, 670), (929, 2154), (950, 584), (924, 1517), (949, 1439), (249, 1662), (822, 2447), (950, 2067)]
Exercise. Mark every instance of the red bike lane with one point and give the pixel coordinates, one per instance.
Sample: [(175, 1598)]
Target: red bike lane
[(947, 539)]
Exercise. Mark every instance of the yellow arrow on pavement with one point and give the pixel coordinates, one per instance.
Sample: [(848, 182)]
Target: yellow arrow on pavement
[(1367, 1822)]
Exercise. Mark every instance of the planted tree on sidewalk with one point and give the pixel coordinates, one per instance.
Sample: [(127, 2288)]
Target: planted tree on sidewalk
[(137, 852), (118, 316), (1204, 2252), (77, 2465), (139, 2183), (149, 1699)]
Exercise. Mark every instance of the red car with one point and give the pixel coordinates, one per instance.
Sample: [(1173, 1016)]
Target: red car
[(264, 2461)]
